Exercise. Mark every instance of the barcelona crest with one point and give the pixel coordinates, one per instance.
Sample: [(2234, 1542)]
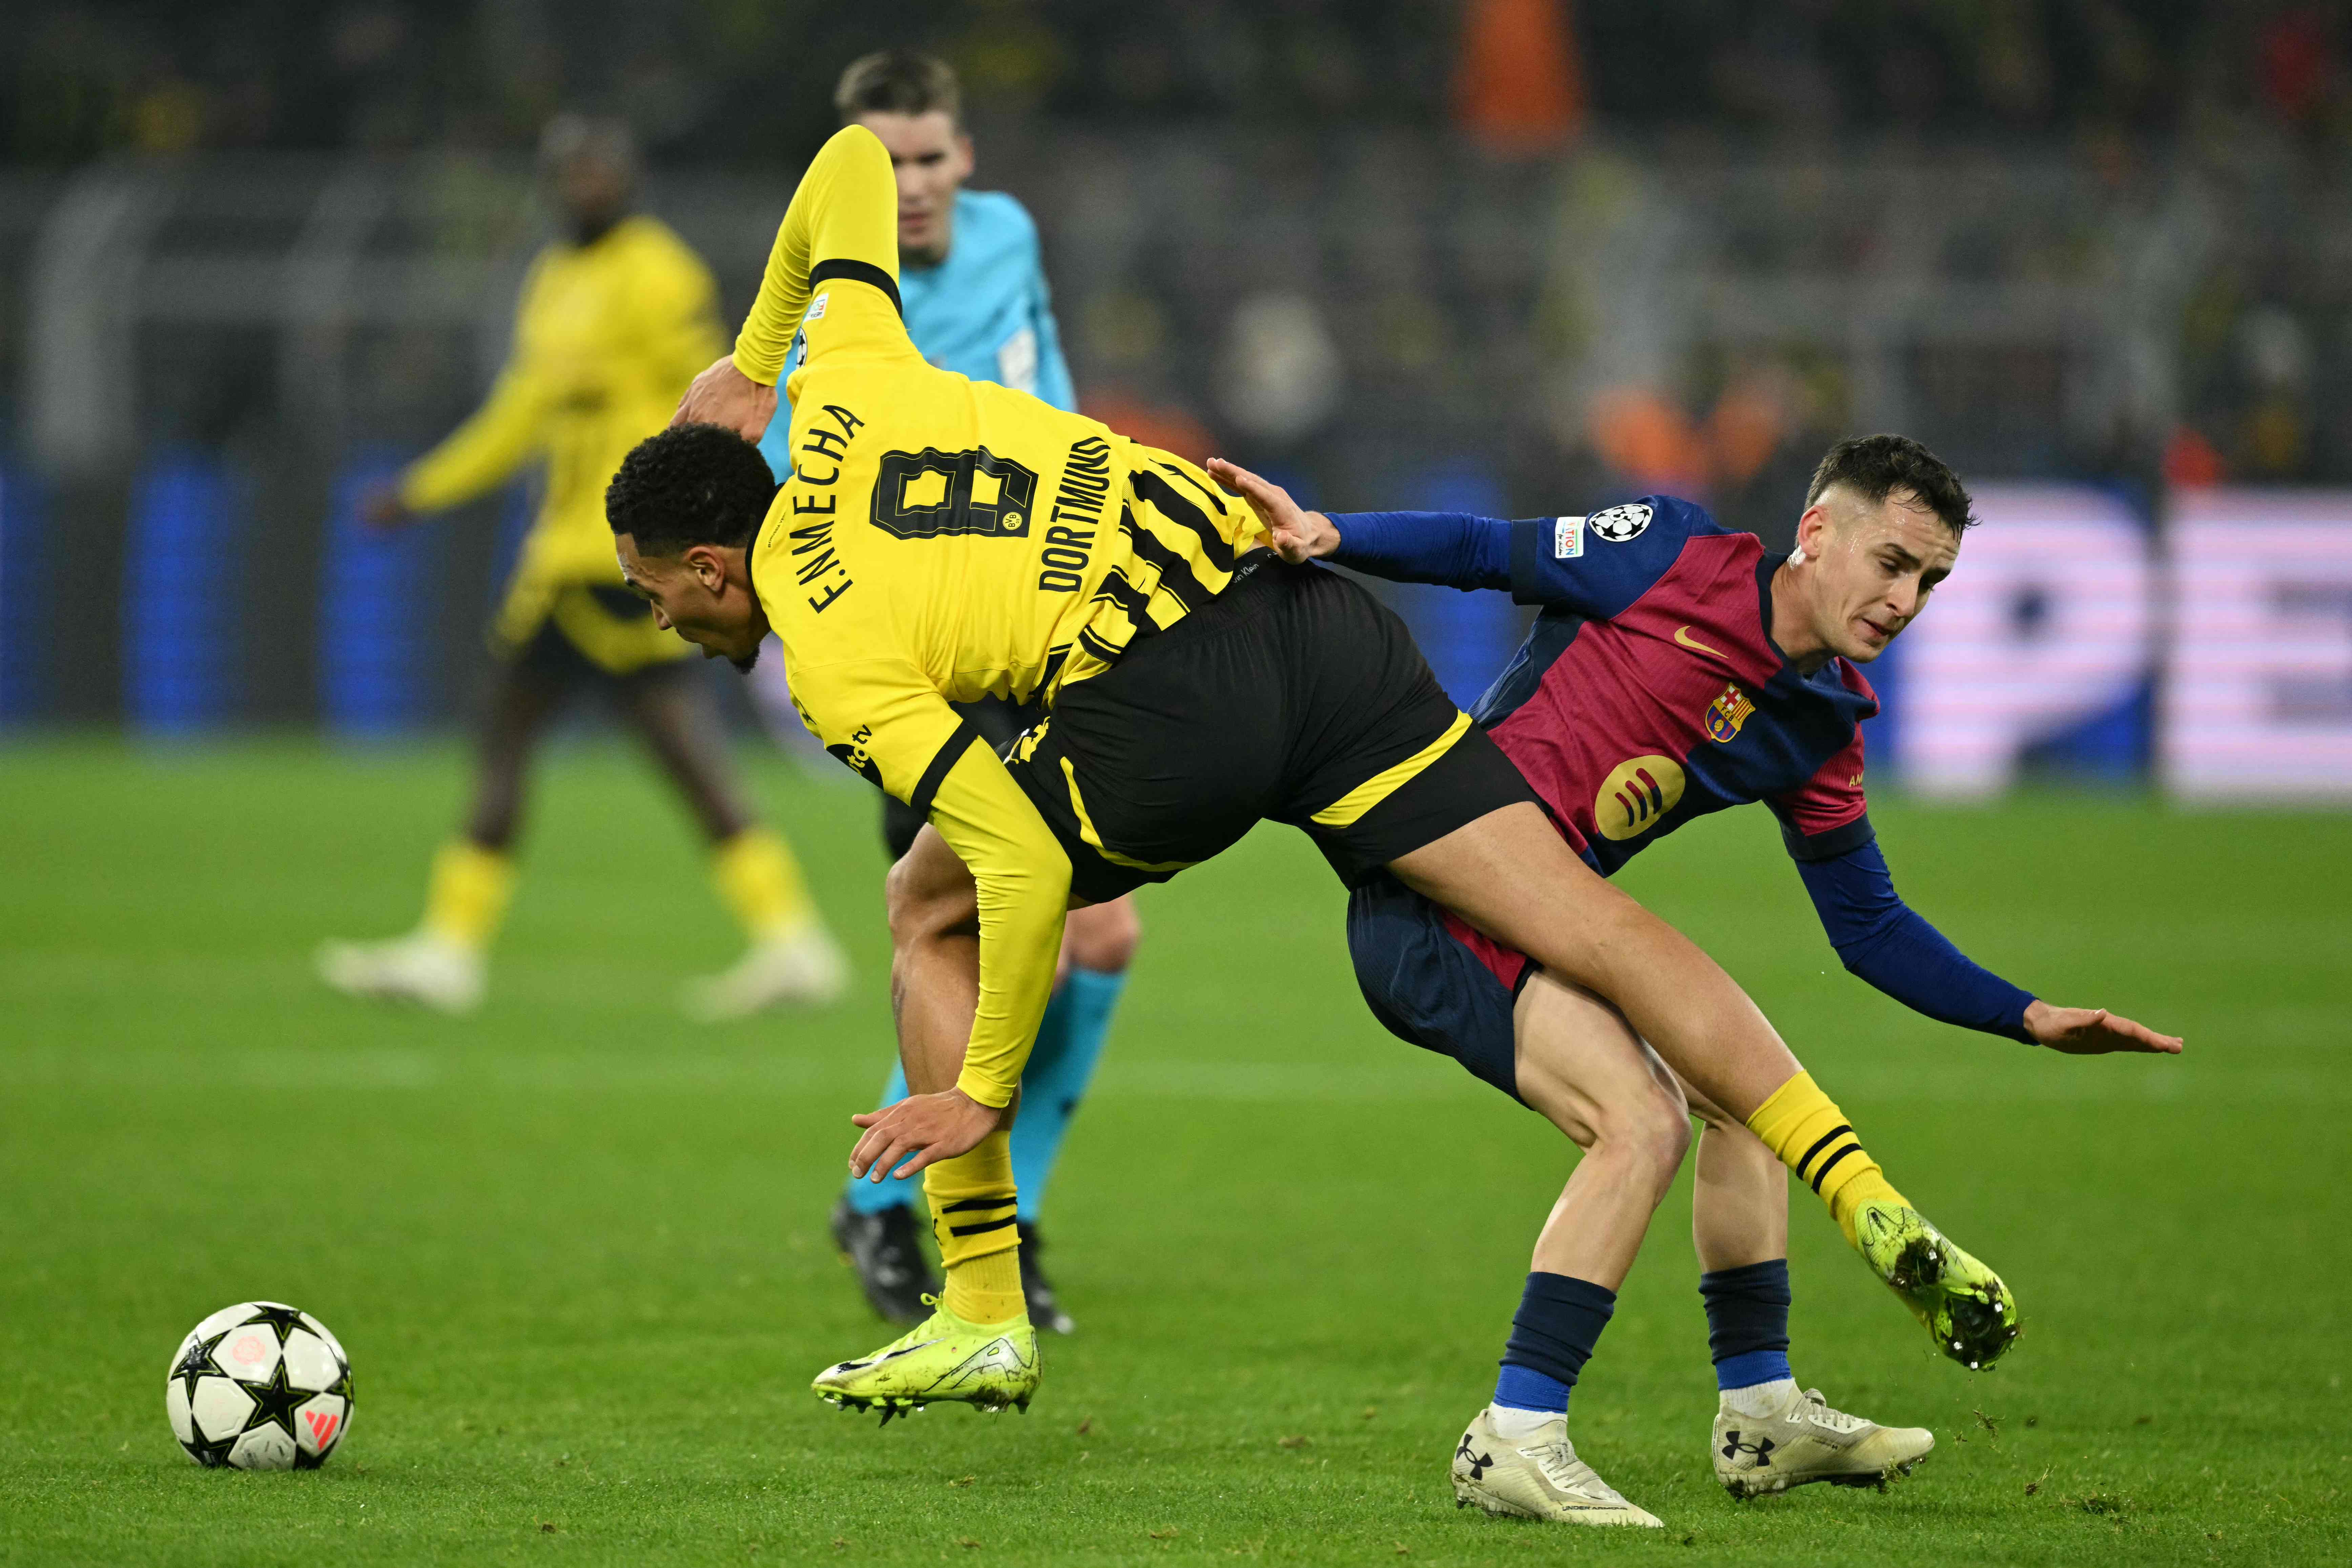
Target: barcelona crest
[(1727, 714)]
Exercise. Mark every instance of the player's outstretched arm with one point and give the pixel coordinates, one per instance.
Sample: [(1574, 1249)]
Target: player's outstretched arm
[(1538, 560), (1885, 942), (2094, 1031), (1451, 548), (477, 457), (843, 222)]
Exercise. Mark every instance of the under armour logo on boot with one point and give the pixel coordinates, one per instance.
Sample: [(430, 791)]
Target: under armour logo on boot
[(1734, 1447)]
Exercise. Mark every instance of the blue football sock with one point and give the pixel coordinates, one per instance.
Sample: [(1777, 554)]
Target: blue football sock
[(873, 1197), (1069, 1044), (1559, 1321), (1747, 1322)]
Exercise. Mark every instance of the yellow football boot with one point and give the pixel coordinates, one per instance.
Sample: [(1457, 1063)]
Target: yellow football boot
[(943, 1358), (1963, 1303)]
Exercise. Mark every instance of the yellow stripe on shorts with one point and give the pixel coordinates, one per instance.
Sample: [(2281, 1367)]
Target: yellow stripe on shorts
[(1093, 840), (1344, 811)]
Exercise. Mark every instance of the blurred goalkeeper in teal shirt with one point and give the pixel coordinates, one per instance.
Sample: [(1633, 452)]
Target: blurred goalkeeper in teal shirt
[(973, 289)]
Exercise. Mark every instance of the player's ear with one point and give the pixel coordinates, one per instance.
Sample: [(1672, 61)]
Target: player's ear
[(1812, 530), (964, 159), (708, 566)]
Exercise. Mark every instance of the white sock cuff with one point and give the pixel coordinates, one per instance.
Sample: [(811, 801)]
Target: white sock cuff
[(1514, 1425), (1760, 1399)]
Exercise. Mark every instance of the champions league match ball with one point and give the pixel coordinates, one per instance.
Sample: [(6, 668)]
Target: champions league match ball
[(260, 1387)]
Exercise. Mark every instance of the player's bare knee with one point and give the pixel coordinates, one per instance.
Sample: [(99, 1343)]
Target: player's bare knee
[(1650, 1130), (929, 894), (1103, 937), (914, 908)]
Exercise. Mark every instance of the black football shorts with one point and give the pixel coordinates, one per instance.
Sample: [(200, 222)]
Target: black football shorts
[(1295, 697)]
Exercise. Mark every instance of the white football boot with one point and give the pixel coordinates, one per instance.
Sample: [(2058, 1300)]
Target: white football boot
[(1535, 1476), (1802, 1439), (420, 967), (806, 969)]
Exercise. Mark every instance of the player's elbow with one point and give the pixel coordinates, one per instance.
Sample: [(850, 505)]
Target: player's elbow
[(1858, 943)]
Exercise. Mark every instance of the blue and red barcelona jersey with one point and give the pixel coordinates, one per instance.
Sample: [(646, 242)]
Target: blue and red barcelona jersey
[(1650, 692)]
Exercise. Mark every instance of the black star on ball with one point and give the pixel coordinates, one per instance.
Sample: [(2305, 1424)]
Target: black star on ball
[(197, 1363), (285, 1320), (274, 1403)]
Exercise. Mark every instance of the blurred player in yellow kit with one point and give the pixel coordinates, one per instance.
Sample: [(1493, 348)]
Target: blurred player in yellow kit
[(615, 319)]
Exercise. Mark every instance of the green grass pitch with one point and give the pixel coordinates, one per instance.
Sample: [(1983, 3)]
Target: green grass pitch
[(576, 1248)]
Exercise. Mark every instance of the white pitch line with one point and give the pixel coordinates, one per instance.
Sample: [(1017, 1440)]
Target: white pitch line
[(1369, 1081)]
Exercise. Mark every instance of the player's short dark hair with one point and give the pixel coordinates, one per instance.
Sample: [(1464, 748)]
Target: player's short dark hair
[(1875, 467), (691, 484), (601, 137), (897, 81)]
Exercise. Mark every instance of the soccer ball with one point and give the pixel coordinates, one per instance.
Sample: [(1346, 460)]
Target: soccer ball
[(260, 1387)]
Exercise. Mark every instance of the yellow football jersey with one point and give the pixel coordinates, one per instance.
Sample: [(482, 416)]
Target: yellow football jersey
[(606, 336), (942, 540)]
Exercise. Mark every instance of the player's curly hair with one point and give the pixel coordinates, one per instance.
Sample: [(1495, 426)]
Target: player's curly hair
[(1875, 467), (691, 484)]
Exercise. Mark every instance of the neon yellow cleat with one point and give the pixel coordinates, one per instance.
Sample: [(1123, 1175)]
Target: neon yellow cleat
[(1963, 1303), (941, 1359)]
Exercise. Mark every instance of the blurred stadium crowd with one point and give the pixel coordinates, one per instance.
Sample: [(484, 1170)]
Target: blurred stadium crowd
[(1511, 255), (740, 82)]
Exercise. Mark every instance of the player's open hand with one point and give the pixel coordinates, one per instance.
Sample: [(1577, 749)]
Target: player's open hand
[(1295, 534), (725, 395), (2094, 1032), (930, 1126)]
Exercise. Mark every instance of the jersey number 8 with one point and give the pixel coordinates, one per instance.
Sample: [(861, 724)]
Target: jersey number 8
[(931, 494)]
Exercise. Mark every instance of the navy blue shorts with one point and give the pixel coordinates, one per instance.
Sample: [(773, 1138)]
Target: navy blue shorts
[(1425, 986)]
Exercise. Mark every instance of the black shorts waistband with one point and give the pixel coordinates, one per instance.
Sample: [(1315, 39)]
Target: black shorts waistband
[(1259, 578)]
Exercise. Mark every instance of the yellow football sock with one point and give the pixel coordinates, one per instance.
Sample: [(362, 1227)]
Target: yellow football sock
[(759, 880), (467, 897), (1811, 1134), (987, 1289), (972, 1201)]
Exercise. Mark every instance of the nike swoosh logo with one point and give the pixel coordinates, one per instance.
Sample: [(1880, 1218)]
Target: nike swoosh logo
[(873, 1361), (1682, 635)]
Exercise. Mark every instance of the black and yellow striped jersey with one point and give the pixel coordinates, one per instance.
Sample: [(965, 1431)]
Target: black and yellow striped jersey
[(943, 539)]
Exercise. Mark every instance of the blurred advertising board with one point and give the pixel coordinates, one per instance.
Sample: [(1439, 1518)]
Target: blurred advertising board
[(2258, 688), (2219, 652)]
